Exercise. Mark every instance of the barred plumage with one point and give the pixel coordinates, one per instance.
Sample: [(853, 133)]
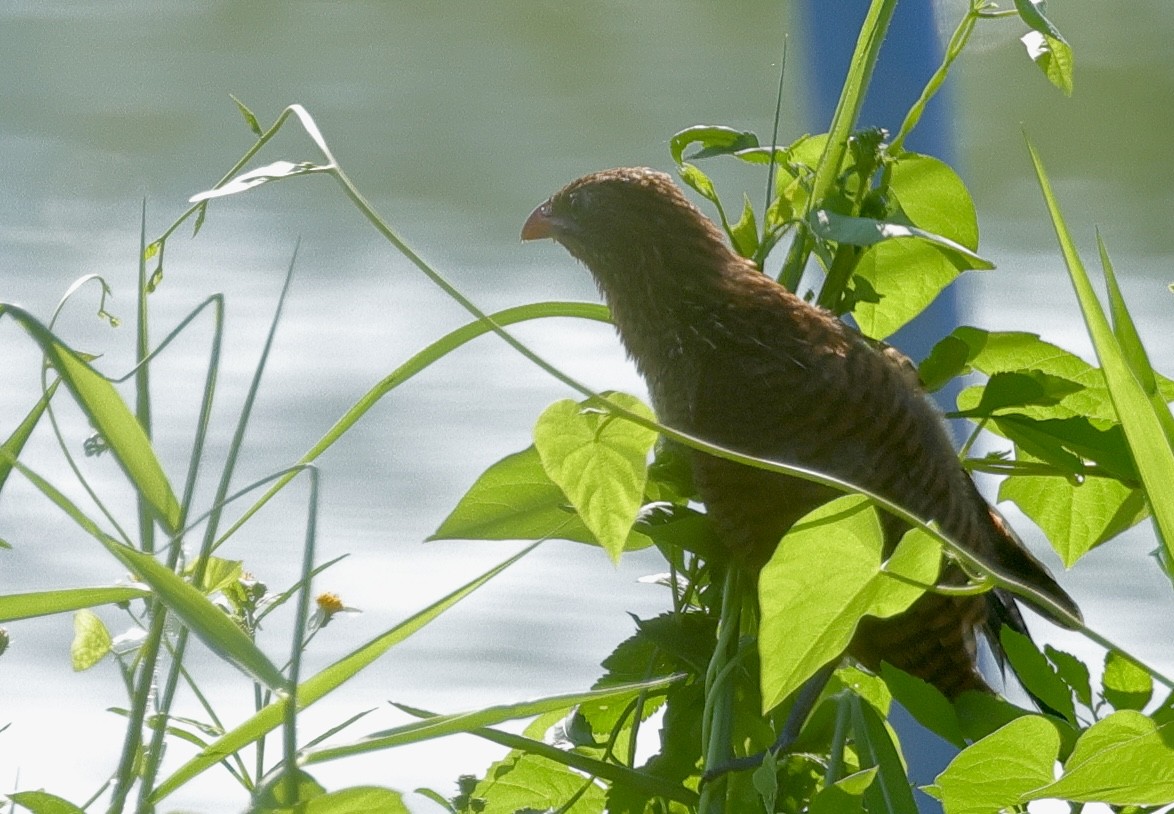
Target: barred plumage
[(733, 357)]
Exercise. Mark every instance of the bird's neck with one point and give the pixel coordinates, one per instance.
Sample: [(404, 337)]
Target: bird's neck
[(671, 318)]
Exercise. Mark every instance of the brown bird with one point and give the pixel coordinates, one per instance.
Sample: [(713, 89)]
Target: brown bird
[(733, 357)]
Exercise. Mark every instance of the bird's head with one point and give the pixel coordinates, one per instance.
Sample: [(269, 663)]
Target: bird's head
[(630, 222)]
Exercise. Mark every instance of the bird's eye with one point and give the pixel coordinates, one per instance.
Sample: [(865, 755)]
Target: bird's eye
[(575, 200)]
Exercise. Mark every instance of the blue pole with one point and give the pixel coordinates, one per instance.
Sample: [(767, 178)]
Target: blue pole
[(910, 54)]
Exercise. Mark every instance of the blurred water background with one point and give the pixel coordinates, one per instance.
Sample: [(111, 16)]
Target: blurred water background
[(455, 120)]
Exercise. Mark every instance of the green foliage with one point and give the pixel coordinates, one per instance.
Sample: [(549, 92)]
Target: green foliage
[(1086, 453), (825, 576)]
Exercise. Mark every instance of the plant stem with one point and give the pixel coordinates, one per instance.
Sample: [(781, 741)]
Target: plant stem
[(868, 44)]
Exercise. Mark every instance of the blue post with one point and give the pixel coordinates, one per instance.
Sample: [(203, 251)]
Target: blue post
[(910, 54)]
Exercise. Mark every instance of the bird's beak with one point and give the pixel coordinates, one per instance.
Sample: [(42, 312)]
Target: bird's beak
[(540, 224)]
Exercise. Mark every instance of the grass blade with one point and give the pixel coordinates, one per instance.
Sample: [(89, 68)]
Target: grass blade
[(47, 603), (110, 416), (1143, 430), (442, 725), (319, 685)]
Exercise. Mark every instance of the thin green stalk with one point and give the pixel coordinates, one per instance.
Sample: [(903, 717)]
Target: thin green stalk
[(954, 49), (868, 44), (301, 617), (143, 379), (716, 719), (835, 768)]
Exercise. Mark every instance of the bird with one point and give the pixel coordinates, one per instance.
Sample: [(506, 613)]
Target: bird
[(731, 356)]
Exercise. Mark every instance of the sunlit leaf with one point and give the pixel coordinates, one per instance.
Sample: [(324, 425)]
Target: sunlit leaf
[(1123, 759), (998, 771), (522, 782), (254, 178), (934, 198), (91, 640), (45, 603), (1152, 451), (42, 802), (600, 462), (824, 576), (1075, 517), (1126, 685), (1046, 45), (896, 280), (714, 140), (514, 499), (109, 414), (845, 795)]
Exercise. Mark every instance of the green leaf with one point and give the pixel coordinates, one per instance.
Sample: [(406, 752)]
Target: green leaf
[(42, 802), (1046, 46), (522, 782), (1075, 517), (514, 499), (877, 746), (934, 198), (845, 796), (442, 725), (1123, 759), (1073, 672), (218, 574), (357, 800), (1036, 674), (15, 442), (980, 714), (714, 140), (998, 771), (91, 640), (1151, 450), (1020, 388), (869, 232), (896, 280), (110, 416), (1126, 685), (250, 119), (1061, 441), (286, 792), (276, 171), (824, 576), (925, 703), (600, 462), (46, 603), (744, 233), (1131, 346), (947, 360)]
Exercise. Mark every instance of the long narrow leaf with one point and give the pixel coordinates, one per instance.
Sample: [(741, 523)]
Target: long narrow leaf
[(434, 352), (1144, 432), (15, 442), (442, 725), (204, 619), (641, 781), (110, 416), (329, 679), (46, 603), (1131, 346)]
